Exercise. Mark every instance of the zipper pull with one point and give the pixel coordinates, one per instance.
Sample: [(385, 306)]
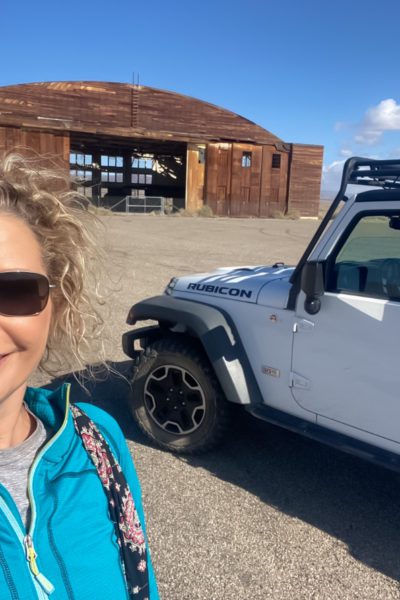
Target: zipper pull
[(31, 556)]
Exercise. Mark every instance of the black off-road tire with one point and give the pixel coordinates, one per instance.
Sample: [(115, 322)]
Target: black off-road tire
[(176, 400)]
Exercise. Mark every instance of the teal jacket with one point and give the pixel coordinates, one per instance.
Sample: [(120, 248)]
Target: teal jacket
[(70, 551)]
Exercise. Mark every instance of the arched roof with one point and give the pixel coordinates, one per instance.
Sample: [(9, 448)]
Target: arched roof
[(125, 110)]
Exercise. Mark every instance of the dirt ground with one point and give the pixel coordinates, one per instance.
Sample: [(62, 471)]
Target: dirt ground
[(269, 515)]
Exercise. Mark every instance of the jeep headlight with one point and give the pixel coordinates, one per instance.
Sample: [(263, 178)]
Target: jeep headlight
[(171, 286)]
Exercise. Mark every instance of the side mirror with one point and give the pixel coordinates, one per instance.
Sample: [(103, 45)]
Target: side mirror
[(312, 284)]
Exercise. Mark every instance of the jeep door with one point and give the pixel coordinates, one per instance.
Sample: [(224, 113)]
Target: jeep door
[(345, 364)]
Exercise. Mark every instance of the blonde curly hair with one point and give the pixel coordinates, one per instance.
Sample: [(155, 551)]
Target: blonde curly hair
[(59, 218)]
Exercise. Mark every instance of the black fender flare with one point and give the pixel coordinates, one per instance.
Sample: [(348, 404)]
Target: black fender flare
[(215, 331)]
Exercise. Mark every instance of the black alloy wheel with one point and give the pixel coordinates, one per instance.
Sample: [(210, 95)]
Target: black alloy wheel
[(176, 399)]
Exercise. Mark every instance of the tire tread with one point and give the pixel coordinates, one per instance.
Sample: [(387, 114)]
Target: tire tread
[(191, 350)]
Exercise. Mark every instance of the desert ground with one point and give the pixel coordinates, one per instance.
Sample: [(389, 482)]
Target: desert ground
[(269, 514)]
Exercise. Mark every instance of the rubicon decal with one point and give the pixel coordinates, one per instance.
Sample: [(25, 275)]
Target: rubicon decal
[(222, 290)]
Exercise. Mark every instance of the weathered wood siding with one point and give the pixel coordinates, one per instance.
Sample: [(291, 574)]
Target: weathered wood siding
[(305, 179), (273, 183), (53, 146), (245, 187), (125, 110), (218, 178), (118, 117), (194, 179), (257, 190)]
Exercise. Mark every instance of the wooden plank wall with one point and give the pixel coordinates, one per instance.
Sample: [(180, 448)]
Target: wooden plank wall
[(194, 179), (273, 184), (91, 104), (305, 179), (237, 191), (246, 181), (218, 178), (53, 146), (125, 110)]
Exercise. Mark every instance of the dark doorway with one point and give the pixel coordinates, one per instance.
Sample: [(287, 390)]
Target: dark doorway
[(112, 171)]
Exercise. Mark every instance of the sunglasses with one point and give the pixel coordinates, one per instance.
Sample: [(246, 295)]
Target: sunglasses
[(22, 293)]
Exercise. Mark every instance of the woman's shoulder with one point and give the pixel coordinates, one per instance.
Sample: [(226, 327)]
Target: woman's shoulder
[(99, 415), (107, 425)]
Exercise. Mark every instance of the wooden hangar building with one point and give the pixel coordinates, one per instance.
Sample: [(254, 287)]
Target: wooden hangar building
[(129, 140)]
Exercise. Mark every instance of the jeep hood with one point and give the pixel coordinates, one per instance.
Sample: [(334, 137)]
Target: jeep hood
[(266, 285)]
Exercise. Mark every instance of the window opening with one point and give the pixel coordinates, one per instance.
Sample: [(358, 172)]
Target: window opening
[(111, 161), (80, 174), (76, 158), (246, 160), (110, 164), (276, 161), (142, 163), (112, 176), (143, 167), (368, 260)]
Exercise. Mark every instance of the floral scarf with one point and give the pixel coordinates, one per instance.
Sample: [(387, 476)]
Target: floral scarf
[(121, 505)]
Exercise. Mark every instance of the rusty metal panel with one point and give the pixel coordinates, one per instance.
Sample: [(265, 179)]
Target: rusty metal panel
[(305, 179)]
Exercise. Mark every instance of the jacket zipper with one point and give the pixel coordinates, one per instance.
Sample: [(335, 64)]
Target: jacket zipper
[(31, 555), (38, 459), (28, 541), (42, 585)]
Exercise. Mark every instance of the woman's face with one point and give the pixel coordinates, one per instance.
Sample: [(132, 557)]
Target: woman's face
[(22, 339)]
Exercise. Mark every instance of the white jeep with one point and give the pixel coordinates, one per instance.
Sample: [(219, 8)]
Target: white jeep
[(313, 348)]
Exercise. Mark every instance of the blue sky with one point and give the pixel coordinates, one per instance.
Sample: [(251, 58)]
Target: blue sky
[(310, 71)]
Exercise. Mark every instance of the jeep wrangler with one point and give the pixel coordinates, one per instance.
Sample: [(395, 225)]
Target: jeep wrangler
[(312, 348)]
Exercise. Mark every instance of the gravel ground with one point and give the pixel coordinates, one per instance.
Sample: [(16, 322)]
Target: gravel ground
[(269, 514)]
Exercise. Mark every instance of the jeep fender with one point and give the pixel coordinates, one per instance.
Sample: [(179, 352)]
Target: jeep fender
[(214, 330)]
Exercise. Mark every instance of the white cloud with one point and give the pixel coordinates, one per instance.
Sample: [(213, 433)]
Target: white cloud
[(385, 116), (331, 176), (358, 139), (339, 125)]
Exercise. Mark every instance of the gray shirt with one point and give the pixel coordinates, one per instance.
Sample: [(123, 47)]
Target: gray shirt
[(15, 464)]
